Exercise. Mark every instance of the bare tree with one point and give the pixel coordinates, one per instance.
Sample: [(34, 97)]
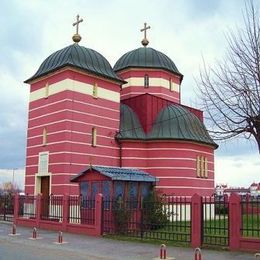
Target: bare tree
[(230, 92)]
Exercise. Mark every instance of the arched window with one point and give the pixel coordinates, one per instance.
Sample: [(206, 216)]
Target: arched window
[(47, 90), (95, 90), (202, 167), (170, 84), (94, 137), (44, 137), (146, 81)]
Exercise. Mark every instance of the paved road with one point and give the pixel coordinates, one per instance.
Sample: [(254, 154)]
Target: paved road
[(79, 247)]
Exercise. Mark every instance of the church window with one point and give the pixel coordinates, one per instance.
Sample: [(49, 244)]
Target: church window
[(170, 84), (132, 194), (202, 167), (145, 190), (43, 162), (44, 137), (119, 190), (94, 137), (46, 90), (95, 89), (146, 81)]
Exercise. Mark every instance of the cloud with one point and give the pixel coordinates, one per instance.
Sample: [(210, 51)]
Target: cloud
[(12, 175), (237, 171)]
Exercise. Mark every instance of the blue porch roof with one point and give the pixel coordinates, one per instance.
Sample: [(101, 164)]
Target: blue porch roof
[(117, 173)]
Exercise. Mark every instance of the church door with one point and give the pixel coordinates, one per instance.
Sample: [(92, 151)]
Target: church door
[(45, 191)]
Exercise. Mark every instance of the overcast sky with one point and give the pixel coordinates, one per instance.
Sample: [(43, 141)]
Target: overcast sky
[(186, 31)]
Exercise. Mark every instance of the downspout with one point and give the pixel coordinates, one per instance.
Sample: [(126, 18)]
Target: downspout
[(120, 152)]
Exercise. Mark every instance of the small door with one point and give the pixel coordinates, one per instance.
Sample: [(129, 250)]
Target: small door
[(45, 191)]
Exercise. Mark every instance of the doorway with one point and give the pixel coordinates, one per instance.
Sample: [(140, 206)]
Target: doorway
[(45, 191)]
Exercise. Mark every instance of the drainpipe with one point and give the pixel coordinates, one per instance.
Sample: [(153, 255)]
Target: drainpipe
[(120, 152)]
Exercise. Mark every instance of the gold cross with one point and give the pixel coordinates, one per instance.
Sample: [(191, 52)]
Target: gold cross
[(77, 24), (145, 29)]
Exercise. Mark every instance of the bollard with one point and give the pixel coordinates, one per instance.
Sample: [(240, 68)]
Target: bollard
[(163, 254), (14, 229), (257, 256), (60, 240), (197, 254), (34, 234)]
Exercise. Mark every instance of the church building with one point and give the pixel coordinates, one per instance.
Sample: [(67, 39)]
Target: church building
[(126, 124)]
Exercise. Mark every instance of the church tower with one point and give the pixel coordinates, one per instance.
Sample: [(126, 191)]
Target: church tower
[(73, 117), (158, 134)]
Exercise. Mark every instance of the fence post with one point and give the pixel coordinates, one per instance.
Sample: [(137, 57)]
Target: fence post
[(234, 221), (38, 209), (65, 217), (16, 208), (196, 220), (98, 214)]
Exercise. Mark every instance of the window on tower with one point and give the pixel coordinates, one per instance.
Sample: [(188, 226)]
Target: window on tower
[(94, 137), (95, 89), (170, 84), (202, 167), (44, 137), (47, 90), (146, 81), (43, 162)]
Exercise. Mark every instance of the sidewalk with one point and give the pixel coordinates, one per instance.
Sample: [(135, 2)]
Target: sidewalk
[(85, 247)]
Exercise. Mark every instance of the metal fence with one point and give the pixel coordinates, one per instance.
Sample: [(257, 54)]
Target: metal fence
[(166, 218), (81, 210), (52, 208), (250, 215), (27, 206), (6, 207), (215, 221)]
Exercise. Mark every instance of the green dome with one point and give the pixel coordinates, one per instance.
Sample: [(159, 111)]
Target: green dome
[(145, 57), (174, 122), (177, 123), (78, 57), (130, 127)]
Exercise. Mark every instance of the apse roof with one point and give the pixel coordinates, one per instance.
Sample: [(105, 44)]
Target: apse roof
[(173, 122), (118, 173), (78, 57)]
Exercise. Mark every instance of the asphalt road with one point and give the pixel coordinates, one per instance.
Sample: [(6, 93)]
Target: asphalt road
[(22, 247)]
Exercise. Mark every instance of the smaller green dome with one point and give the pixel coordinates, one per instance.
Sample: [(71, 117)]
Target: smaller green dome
[(146, 57), (177, 123), (130, 127), (79, 57)]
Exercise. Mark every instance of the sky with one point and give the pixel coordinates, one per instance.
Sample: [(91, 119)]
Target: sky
[(186, 31)]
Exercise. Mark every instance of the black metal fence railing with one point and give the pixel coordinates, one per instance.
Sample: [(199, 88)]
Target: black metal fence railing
[(166, 218), (215, 224), (250, 215), (52, 208), (27, 206), (6, 207), (81, 210)]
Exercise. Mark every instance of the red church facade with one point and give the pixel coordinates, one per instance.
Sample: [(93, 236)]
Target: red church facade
[(82, 112)]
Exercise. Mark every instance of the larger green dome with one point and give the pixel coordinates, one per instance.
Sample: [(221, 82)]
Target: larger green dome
[(145, 57), (173, 122), (78, 57)]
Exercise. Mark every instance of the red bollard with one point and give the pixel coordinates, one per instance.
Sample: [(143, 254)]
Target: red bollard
[(14, 229), (163, 254), (34, 233), (197, 254), (60, 239)]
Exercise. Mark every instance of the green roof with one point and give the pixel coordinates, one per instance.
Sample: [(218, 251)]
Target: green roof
[(145, 57), (118, 173), (78, 57), (174, 122)]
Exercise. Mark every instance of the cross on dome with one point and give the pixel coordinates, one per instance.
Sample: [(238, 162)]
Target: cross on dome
[(145, 41), (76, 37)]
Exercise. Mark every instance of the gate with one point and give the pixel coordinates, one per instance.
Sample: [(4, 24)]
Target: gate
[(215, 222), (6, 207)]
